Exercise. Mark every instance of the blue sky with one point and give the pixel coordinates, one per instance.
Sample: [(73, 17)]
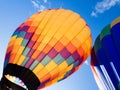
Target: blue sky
[(97, 14)]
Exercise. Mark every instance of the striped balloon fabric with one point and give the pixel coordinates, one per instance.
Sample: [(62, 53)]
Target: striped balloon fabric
[(52, 44), (105, 58)]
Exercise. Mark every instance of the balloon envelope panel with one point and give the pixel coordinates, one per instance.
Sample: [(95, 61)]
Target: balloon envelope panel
[(53, 44), (105, 58)]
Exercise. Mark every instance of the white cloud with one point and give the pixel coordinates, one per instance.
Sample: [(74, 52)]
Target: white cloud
[(40, 5), (94, 14), (101, 7), (35, 4), (45, 1), (86, 62)]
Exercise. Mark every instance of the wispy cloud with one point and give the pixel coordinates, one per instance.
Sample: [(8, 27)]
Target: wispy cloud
[(104, 5), (35, 4), (45, 1), (40, 5), (86, 62)]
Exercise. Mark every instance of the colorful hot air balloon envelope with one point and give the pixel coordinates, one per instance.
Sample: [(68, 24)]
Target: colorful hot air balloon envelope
[(105, 58), (47, 48)]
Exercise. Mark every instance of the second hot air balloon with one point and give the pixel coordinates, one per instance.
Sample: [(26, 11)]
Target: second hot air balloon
[(105, 58)]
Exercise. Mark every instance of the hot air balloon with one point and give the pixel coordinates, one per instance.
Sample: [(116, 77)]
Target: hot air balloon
[(47, 48), (105, 57)]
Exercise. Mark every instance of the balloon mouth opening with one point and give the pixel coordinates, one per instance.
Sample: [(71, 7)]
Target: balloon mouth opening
[(7, 84), (14, 71), (16, 81)]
